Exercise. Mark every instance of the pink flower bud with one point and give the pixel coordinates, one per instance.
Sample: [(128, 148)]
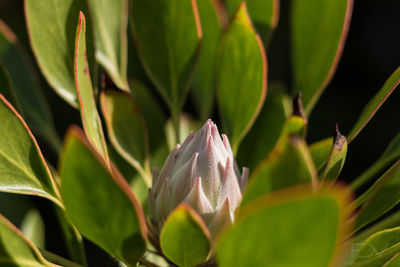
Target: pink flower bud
[(203, 173)]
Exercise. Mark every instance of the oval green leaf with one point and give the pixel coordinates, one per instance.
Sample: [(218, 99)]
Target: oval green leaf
[(168, 34), (378, 248), (375, 103), (184, 238), (273, 173), (319, 30), (110, 22), (204, 78), (99, 201), (28, 94), (53, 43), (16, 249), (22, 167), (241, 78), (90, 117), (293, 227), (263, 13), (126, 129)]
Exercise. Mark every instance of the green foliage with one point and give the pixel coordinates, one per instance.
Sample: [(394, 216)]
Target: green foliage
[(282, 216), (292, 212), (241, 65), (319, 29), (99, 201), (184, 229)]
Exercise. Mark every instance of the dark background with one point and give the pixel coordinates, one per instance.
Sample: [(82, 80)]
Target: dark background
[(371, 54)]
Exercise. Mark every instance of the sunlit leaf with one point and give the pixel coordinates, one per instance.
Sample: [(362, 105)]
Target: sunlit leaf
[(110, 22), (126, 129), (53, 43), (293, 227), (90, 117), (168, 44), (22, 166), (263, 13), (184, 238), (16, 249), (99, 201), (29, 99), (319, 30), (241, 77)]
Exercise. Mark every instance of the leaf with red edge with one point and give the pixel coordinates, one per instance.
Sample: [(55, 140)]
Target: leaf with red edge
[(99, 201), (23, 169), (90, 117), (32, 103), (110, 23), (319, 30), (375, 103), (241, 78), (292, 227), (126, 129), (263, 13), (168, 35), (16, 249), (184, 238), (51, 35)]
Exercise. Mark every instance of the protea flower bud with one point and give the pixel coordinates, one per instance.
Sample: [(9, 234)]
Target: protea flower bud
[(203, 173)]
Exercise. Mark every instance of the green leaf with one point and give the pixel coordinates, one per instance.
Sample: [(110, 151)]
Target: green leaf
[(273, 173), (126, 129), (204, 78), (265, 133), (53, 43), (293, 227), (110, 22), (263, 13), (28, 96), (394, 261), (319, 30), (22, 167), (90, 118), (391, 153), (184, 238), (99, 201), (336, 157), (152, 114), (16, 249), (241, 78), (378, 248), (168, 34), (380, 197), (375, 103)]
